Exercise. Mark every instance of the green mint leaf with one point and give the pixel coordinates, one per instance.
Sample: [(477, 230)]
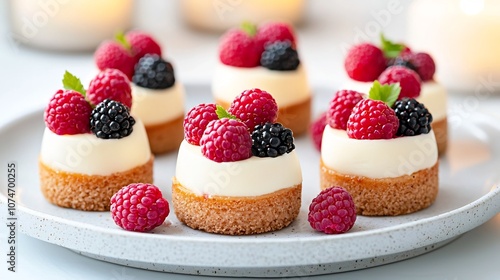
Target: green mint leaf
[(249, 28), (122, 40), (72, 82), (386, 93), (222, 113), (390, 49)]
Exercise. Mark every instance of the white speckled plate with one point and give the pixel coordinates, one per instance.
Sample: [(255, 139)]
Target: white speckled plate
[(469, 195)]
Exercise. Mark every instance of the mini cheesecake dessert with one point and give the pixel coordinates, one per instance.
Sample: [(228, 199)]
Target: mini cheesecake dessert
[(365, 63), (267, 58), (88, 154), (381, 150), (158, 99), (237, 172)]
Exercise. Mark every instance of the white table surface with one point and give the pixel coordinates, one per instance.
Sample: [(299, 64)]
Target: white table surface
[(29, 77)]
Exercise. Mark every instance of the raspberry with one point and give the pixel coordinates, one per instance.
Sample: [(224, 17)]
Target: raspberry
[(332, 211), (364, 62), (424, 65), (153, 72), (414, 118), (316, 130), (110, 84), (407, 79), (372, 119), (111, 54), (226, 140), (274, 31), (68, 113), (341, 107), (139, 207), (238, 49), (254, 107), (142, 44), (280, 56), (111, 120), (196, 121), (271, 140)]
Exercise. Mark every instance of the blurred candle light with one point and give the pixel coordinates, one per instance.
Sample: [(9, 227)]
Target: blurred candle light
[(464, 38), (69, 25)]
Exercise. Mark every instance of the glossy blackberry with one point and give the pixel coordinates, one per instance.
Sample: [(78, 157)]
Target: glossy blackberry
[(280, 56), (271, 140), (153, 72), (414, 118), (401, 62), (111, 120)]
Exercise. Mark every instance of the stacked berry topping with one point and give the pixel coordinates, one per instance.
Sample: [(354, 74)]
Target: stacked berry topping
[(71, 111), (332, 211), (247, 128), (271, 45), (139, 56), (391, 63), (380, 116)]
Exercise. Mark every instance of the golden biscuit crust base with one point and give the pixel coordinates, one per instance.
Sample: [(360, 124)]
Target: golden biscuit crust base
[(296, 117), (440, 129), (89, 192), (236, 215), (166, 137), (386, 196)]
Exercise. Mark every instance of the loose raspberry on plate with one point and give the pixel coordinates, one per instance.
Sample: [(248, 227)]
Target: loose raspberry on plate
[(274, 31), (226, 140), (414, 118), (372, 119), (340, 108), (254, 107), (111, 120), (110, 84), (407, 79), (332, 211), (68, 113), (316, 130), (142, 43), (196, 122), (110, 54), (271, 140), (238, 48), (139, 207), (364, 62)]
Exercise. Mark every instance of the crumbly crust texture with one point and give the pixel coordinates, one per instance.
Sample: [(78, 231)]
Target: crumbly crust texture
[(296, 117), (166, 137), (440, 129), (386, 196), (89, 192), (236, 215)]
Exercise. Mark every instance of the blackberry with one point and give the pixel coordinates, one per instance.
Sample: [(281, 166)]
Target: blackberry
[(111, 120), (414, 118), (271, 140), (401, 61), (153, 72), (280, 55)]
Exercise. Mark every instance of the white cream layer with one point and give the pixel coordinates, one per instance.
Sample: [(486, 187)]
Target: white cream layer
[(87, 154), (377, 158), (251, 177), (432, 94), (287, 87), (154, 106)]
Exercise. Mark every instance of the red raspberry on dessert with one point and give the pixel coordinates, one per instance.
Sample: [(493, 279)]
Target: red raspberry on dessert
[(142, 43), (238, 48), (196, 122), (407, 79), (372, 119), (424, 65), (316, 130), (254, 107), (68, 113), (110, 84), (364, 62), (226, 140), (139, 207), (340, 108), (272, 32), (332, 211), (111, 54)]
